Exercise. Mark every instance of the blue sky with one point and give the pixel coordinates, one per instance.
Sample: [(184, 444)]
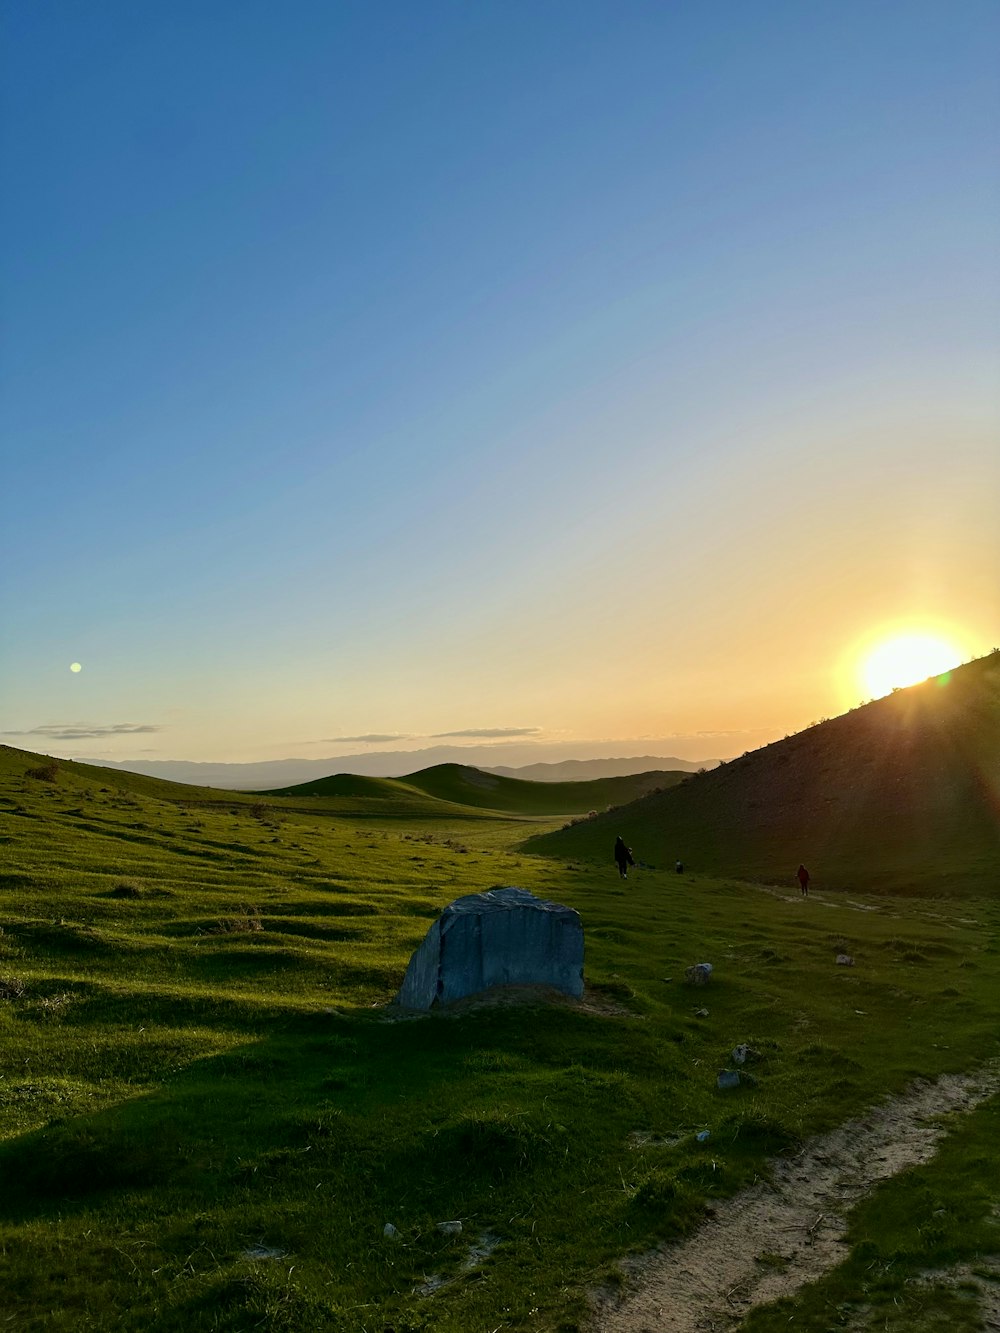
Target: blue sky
[(397, 369)]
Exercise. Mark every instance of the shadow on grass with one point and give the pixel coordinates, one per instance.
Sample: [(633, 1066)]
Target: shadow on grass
[(323, 1083)]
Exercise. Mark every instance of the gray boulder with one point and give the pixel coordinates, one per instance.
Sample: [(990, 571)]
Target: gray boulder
[(504, 937)]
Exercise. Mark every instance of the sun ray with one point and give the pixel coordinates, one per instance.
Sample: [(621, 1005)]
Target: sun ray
[(906, 659)]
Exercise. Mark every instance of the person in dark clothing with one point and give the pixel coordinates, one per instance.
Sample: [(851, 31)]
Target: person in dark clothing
[(803, 875), (679, 868), (623, 856)]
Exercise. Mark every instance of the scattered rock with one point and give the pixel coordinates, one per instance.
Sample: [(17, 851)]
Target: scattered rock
[(728, 1078), (480, 1252), (703, 1135), (698, 975), (263, 1252), (744, 1054), (844, 960), (390, 1232), (701, 1013), (450, 1228)]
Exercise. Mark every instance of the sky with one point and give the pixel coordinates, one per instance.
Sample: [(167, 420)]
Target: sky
[(563, 372)]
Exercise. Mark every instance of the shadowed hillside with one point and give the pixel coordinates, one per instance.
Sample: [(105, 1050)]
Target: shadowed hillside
[(902, 795), (462, 785)]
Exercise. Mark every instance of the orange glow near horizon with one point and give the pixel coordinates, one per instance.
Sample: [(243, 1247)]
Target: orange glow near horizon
[(906, 659)]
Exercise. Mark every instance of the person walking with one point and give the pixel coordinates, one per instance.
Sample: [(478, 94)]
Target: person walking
[(623, 856), (803, 875)]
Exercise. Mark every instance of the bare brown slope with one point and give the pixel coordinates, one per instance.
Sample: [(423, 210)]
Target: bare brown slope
[(902, 794)]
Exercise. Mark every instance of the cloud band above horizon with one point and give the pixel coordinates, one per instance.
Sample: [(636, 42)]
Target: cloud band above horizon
[(487, 733), (69, 731)]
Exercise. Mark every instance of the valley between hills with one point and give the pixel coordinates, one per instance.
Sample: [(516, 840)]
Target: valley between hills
[(212, 1117)]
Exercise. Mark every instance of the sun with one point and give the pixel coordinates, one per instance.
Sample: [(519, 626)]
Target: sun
[(905, 660)]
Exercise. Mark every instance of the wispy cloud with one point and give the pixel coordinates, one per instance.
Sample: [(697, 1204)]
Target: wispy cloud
[(487, 733), (68, 731), (372, 738)]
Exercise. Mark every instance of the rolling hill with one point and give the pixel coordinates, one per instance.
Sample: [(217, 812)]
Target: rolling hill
[(344, 794), (902, 794), (458, 784), (202, 1063), (274, 774), (451, 791)]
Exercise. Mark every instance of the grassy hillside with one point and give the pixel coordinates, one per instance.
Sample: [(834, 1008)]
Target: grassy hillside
[(208, 1114), (346, 794), (902, 794), (461, 785), (491, 791)]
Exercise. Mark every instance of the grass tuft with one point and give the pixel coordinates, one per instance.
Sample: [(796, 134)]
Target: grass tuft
[(245, 921)]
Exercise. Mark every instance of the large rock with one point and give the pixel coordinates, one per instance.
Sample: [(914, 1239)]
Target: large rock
[(504, 937)]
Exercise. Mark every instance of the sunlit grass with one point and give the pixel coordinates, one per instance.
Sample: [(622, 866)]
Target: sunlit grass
[(196, 1060)]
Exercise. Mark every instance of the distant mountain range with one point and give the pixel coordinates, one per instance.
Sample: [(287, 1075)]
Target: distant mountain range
[(265, 775)]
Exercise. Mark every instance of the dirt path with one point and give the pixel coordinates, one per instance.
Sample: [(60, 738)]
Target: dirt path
[(881, 908), (772, 1239), (775, 891)]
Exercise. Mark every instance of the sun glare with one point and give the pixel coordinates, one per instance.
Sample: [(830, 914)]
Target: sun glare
[(905, 660)]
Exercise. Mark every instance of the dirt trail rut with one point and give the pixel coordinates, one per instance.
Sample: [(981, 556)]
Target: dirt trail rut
[(713, 1280)]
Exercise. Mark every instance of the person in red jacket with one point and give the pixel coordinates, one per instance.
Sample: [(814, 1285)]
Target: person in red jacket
[(803, 875)]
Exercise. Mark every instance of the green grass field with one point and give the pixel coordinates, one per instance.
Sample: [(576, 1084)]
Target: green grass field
[(208, 1113)]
